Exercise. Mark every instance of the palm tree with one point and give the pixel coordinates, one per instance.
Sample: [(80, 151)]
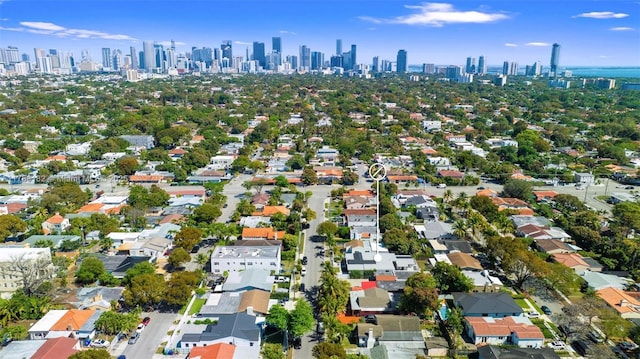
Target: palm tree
[(460, 228), (447, 196)]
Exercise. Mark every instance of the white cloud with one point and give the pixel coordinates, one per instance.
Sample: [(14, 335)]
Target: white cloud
[(439, 14), (242, 43), (4, 18), (18, 29), (603, 15), (42, 25), (510, 44), (537, 44), (48, 28), (286, 32), (621, 28)]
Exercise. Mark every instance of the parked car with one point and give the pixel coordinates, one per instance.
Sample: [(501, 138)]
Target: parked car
[(320, 328), (595, 337), (100, 343), (371, 319), (134, 338), (533, 314), (557, 345), (297, 343), (140, 328), (546, 310), (301, 288), (628, 345), (305, 260), (146, 321)]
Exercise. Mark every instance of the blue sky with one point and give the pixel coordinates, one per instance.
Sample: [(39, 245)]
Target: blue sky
[(603, 33)]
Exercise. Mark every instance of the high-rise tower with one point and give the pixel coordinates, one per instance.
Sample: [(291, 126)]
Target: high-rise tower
[(106, 57), (339, 47), (401, 61), (227, 54), (149, 56), (276, 44), (258, 53), (555, 59), (482, 66)]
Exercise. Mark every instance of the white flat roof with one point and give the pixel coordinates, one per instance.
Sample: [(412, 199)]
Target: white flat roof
[(48, 321)]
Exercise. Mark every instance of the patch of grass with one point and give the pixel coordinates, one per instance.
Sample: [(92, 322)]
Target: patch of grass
[(160, 349), (196, 306), (545, 331)]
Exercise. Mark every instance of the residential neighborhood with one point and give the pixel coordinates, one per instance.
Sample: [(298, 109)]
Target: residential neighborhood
[(238, 225)]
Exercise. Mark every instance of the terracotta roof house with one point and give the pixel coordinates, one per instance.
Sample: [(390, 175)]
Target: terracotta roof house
[(268, 211), (261, 233), (542, 232), (545, 195), (514, 204), (359, 193), (73, 320), (501, 331), (172, 218), (146, 178), (58, 348), (464, 261), (572, 260), (55, 224), (402, 178), (626, 305), (215, 351), (450, 174), (260, 199), (370, 301), (487, 192)]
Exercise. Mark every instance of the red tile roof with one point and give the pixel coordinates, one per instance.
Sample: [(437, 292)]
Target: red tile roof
[(58, 348), (214, 351), (55, 219), (145, 178)]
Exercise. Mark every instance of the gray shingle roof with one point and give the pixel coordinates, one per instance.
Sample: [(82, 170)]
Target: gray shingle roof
[(487, 303), (239, 325)]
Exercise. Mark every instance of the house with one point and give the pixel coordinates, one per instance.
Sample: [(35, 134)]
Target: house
[(56, 239), (215, 351), (234, 258), (545, 196), (139, 142), (254, 221), (237, 329), (572, 260), (11, 279), (391, 330), (584, 178), (400, 179), (97, 297), (268, 211), (61, 348), (598, 280), (498, 352), (118, 265), (328, 174), (72, 321), (483, 282), (464, 261), (153, 247), (370, 301), (261, 233), (497, 305), (626, 305), (361, 257), (435, 230), (512, 330), (554, 246), (360, 217), (543, 232), (221, 162), (254, 302), (88, 330), (19, 349), (41, 328), (55, 224), (450, 174), (514, 204)]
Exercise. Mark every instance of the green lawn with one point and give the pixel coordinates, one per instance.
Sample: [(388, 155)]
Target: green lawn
[(197, 305)]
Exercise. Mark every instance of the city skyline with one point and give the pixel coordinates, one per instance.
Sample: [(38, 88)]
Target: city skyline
[(591, 33)]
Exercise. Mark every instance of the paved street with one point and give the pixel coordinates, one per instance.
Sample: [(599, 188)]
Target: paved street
[(153, 335)]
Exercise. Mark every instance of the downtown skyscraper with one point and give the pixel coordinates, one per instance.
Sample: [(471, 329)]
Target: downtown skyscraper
[(401, 62), (555, 60)]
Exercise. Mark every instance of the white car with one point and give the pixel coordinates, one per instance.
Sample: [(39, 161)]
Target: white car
[(140, 328), (100, 343), (533, 314), (557, 345)]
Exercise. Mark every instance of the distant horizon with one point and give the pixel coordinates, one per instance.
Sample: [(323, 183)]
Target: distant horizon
[(590, 33)]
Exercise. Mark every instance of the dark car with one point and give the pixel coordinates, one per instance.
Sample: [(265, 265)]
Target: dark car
[(146, 321), (301, 288), (371, 319), (546, 310), (297, 343), (320, 328), (581, 346), (305, 260)]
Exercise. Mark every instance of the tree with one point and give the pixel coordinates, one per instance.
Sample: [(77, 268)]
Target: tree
[(187, 238), (112, 323), (178, 256), (309, 176), (136, 270), (450, 278), (10, 225), (90, 270), (420, 295), (180, 286), (333, 294), (92, 353), (349, 178), (389, 221), (301, 318), (31, 272), (327, 229), (329, 351), (126, 166), (627, 215), (272, 351), (278, 317), (454, 325), (396, 240), (518, 189), (145, 290), (207, 213), (240, 164), (485, 206)]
